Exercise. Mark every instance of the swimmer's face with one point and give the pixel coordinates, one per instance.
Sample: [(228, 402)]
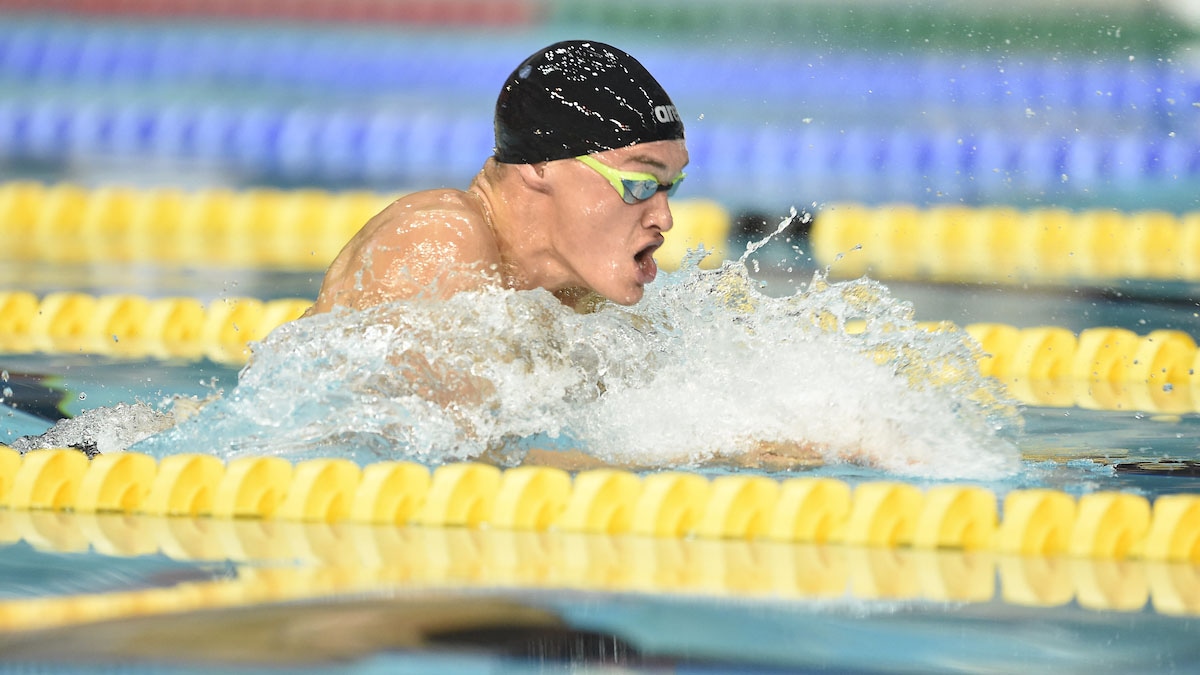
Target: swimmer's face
[(609, 245)]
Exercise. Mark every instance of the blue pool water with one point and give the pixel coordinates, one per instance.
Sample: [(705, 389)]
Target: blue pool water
[(1137, 617), (788, 105)]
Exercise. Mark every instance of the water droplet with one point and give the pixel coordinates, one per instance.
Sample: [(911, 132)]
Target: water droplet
[(82, 396)]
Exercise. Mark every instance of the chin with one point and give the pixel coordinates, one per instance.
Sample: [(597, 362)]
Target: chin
[(630, 298)]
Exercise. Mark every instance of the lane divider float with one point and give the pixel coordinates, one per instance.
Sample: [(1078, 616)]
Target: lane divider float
[(1103, 368), (326, 527), (1006, 245), (132, 326), (280, 562), (672, 504), (258, 228)]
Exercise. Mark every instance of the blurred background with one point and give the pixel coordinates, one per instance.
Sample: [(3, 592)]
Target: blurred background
[(787, 102), (1024, 104), (1032, 162)]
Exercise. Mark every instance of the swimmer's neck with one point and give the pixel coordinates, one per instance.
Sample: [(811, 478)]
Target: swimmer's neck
[(521, 220)]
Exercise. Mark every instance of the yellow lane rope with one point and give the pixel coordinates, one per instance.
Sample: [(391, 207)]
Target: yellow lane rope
[(304, 229), (262, 228), (1100, 368), (673, 504), (999, 244), (133, 326), (280, 562), (259, 228), (325, 527)]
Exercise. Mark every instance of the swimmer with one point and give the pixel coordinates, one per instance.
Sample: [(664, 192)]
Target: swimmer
[(588, 149), (573, 200)]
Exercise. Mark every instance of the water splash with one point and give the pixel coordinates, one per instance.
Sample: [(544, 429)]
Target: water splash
[(102, 430), (706, 368)]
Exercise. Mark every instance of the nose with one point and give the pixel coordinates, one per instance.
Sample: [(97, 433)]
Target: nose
[(658, 213)]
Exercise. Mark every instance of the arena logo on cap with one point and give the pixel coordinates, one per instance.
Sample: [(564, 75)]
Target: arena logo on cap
[(666, 113)]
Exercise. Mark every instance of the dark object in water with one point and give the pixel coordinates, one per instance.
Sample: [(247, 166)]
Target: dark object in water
[(34, 394), (543, 644), (1164, 467), (308, 634)]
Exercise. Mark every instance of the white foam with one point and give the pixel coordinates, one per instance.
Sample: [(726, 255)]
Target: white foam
[(705, 365)]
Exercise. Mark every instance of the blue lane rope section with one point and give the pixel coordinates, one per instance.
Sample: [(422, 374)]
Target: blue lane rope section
[(1139, 92)]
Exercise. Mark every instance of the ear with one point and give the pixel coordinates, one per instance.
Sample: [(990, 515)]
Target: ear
[(534, 176)]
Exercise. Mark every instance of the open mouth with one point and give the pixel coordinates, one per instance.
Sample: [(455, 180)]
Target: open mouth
[(646, 253), (645, 262)]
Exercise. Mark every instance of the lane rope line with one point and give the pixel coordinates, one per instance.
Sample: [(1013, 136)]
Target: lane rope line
[(253, 228), (1102, 368), (282, 562), (1006, 245), (672, 504)]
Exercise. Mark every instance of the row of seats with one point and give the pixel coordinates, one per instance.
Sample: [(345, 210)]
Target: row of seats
[(1007, 245), (1035, 522), (1100, 368)]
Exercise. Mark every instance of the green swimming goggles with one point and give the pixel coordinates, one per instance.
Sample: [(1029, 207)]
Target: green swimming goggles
[(633, 186)]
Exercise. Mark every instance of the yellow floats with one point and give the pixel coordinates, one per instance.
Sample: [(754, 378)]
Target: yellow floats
[(883, 514), (344, 529), (324, 560), (132, 326), (259, 228), (1004, 245), (1100, 368)]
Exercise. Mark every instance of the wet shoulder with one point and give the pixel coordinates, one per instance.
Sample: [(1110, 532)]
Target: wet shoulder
[(433, 213), (446, 224)]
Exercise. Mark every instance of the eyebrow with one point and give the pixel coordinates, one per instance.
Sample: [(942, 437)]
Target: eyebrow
[(649, 161)]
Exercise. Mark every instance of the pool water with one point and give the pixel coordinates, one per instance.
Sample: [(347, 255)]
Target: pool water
[(554, 599), (214, 157)]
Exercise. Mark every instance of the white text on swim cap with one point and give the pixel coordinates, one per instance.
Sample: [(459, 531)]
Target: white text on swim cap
[(666, 113)]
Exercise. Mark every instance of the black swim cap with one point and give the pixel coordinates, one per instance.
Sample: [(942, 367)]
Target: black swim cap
[(578, 97)]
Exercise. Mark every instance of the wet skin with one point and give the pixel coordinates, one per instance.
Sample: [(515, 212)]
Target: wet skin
[(555, 225)]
